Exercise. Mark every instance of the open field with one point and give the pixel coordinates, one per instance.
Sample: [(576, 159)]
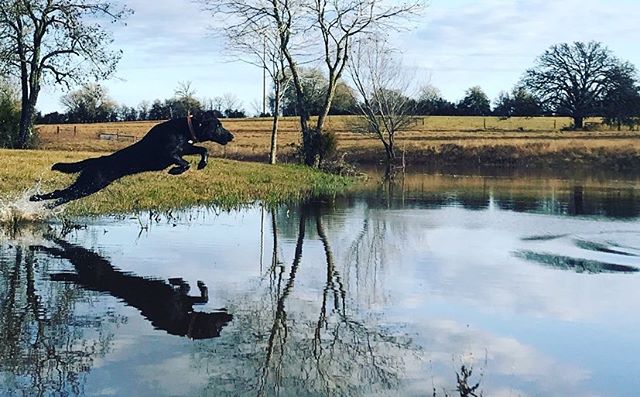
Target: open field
[(224, 183), (517, 141)]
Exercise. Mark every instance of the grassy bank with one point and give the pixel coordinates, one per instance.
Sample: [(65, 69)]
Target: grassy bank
[(224, 183), (472, 141)]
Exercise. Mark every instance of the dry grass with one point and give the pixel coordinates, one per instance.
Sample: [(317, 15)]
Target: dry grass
[(518, 141)]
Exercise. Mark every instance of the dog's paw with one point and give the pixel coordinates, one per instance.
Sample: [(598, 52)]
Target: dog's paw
[(202, 164), (37, 247), (35, 197), (177, 170), (53, 204)]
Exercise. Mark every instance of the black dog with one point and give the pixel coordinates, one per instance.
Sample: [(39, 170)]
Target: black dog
[(162, 146)]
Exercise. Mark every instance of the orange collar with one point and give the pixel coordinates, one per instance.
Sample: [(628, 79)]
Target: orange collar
[(193, 134)]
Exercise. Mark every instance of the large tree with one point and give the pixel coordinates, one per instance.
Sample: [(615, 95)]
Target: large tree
[(57, 41), (519, 102), (431, 102), (314, 86), (573, 78), (89, 104), (621, 103), (474, 103)]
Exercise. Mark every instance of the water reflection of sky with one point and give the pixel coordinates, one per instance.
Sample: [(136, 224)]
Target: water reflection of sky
[(448, 278)]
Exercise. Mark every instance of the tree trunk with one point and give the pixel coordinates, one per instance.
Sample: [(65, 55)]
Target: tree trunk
[(310, 142), (300, 105), (30, 89), (326, 106), (26, 123), (307, 134), (274, 129), (392, 148), (578, 122)]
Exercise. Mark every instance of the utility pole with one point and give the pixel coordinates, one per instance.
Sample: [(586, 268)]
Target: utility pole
[(264, 77)]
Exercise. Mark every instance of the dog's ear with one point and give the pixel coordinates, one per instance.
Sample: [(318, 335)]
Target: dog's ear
[(207, 115), (211, 116)]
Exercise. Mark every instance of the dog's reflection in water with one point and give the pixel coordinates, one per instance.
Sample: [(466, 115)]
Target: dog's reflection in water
[(167, 305)]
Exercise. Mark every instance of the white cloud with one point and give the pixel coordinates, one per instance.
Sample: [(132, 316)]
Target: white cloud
[(491, 43), (457, 43)]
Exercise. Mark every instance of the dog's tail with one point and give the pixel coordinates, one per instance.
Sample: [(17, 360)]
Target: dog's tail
[(70, 168)]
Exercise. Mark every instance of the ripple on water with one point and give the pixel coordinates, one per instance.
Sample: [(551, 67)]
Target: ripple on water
[(615, 246)]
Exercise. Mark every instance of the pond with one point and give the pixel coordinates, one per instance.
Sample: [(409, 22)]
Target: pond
[(526, 285)]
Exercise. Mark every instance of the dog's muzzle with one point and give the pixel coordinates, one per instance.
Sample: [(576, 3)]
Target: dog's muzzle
[(228, 136)]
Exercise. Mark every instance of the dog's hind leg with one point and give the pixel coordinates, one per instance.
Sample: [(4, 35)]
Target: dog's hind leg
[(70, 194), (70, 168), (48, 196), (76, 191), (63, 196), (86, 184)]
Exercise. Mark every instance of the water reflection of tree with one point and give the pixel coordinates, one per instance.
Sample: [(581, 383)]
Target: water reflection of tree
[(46, 346), (278, 346)]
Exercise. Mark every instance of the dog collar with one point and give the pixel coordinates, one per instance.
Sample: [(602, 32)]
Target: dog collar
[(190, 124)]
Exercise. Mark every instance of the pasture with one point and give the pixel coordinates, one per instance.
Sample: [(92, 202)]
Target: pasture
[(518, 141)]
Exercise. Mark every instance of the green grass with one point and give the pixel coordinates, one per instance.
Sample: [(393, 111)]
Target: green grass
[(223, 183)]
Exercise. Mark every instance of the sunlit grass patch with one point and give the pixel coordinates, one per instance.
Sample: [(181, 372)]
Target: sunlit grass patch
[(223, 183)]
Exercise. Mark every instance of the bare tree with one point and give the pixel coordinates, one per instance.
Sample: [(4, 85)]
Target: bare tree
[(260, 32), (260, 39), (184, 90), (230, 101), (143, 110), (382, 84), (184, 100), (59, 41), (342, 22), (338, 23)]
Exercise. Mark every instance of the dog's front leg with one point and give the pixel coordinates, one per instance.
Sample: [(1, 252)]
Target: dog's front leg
[(181, 165), (204, 154)]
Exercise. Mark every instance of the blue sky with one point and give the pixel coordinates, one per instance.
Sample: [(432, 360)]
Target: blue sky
[(454, 45)]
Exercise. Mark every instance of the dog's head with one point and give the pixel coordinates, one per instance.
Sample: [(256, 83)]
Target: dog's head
[(207, 325), (210, 128)]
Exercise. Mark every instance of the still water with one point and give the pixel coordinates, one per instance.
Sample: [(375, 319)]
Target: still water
[(531, 282)]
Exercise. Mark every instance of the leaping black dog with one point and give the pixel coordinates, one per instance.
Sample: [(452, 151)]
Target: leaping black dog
[(162, 146)]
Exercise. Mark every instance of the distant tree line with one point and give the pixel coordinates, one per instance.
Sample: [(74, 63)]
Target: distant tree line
[(92, 104), (610, 90), (616, 98)]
